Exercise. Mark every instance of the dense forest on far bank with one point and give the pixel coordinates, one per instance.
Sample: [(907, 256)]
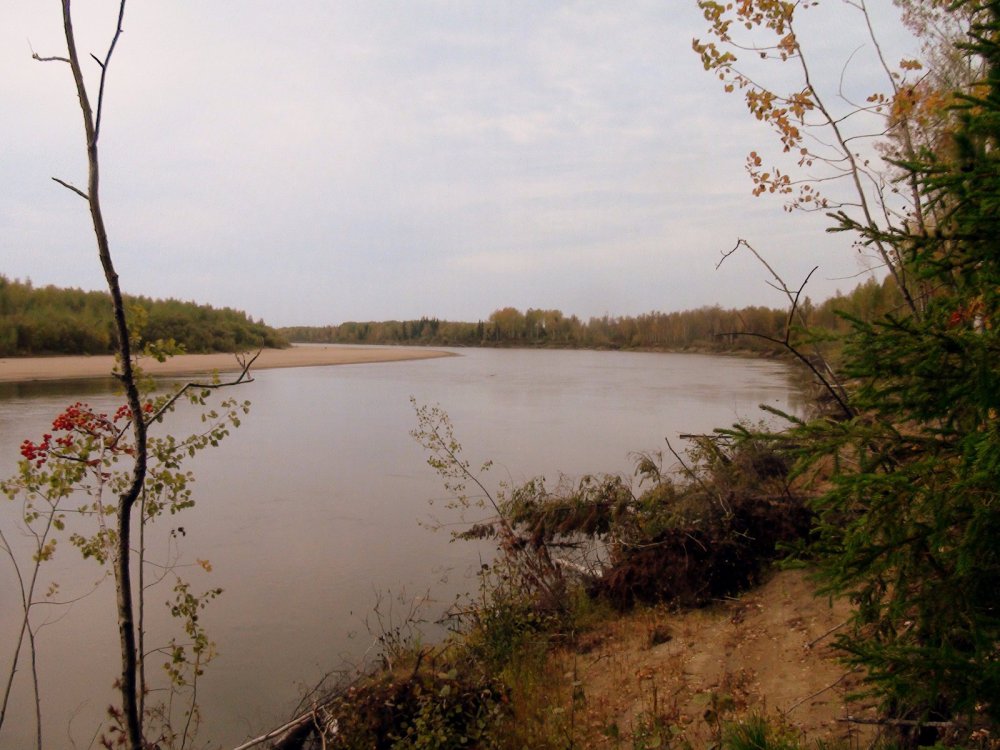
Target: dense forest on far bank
[(50, 320), (759, 329)]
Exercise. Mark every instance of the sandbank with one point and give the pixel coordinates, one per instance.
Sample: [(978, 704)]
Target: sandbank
[(22, 369)]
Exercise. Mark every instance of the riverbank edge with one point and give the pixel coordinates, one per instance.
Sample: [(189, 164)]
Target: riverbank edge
[(749, 352), (86, 367)]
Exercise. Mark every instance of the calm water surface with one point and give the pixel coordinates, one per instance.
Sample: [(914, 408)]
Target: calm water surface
[(311, 510)]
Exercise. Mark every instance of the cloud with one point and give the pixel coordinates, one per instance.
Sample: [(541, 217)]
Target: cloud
[(313, 162)]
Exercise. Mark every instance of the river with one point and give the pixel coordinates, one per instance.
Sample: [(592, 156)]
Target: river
[(316, 508)]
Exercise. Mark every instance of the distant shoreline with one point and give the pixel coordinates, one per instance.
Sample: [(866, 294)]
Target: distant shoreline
[(26, 369)]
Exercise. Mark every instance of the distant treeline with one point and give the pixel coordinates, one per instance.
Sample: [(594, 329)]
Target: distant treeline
[(707, 328), (50, 320)]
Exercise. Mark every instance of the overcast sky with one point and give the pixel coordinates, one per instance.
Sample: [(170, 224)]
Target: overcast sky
[(313, 162)]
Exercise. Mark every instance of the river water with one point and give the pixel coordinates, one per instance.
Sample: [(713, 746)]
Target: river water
[(316, 510)]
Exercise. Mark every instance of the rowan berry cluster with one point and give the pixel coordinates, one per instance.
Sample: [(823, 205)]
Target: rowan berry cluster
[(37, 452), (80, 420)]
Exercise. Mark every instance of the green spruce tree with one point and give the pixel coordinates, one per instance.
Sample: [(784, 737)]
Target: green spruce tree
[(910, 528)]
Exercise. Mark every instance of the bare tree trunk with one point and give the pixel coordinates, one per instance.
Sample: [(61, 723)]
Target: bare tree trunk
[(126, 501)]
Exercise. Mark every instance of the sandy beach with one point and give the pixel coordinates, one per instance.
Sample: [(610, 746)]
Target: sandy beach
[(20, 369)]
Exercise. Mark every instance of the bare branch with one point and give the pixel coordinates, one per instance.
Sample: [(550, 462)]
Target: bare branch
[(36, 56), (73, 188), (819, 692), (831, 631), (795, 305), (54, 58), (742, 242), (104, 69), (835, 388), (243, 377), (283, 729), (897, 722)]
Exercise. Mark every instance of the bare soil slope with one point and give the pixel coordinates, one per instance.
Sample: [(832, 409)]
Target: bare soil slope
[(656, 677)]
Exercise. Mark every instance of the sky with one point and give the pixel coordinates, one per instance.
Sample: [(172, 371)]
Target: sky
[(319, 161)]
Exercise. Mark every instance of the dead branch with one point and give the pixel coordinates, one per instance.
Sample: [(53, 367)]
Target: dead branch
[(848, 411), (54, 58), (819, 692), (831, 631), (835, 388), (292, 725), (39, 58), (897, 722), (780, 286), (104, 69), (73, 188)]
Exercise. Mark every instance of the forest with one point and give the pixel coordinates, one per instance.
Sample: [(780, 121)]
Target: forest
[(51, 320), (711, 328)]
